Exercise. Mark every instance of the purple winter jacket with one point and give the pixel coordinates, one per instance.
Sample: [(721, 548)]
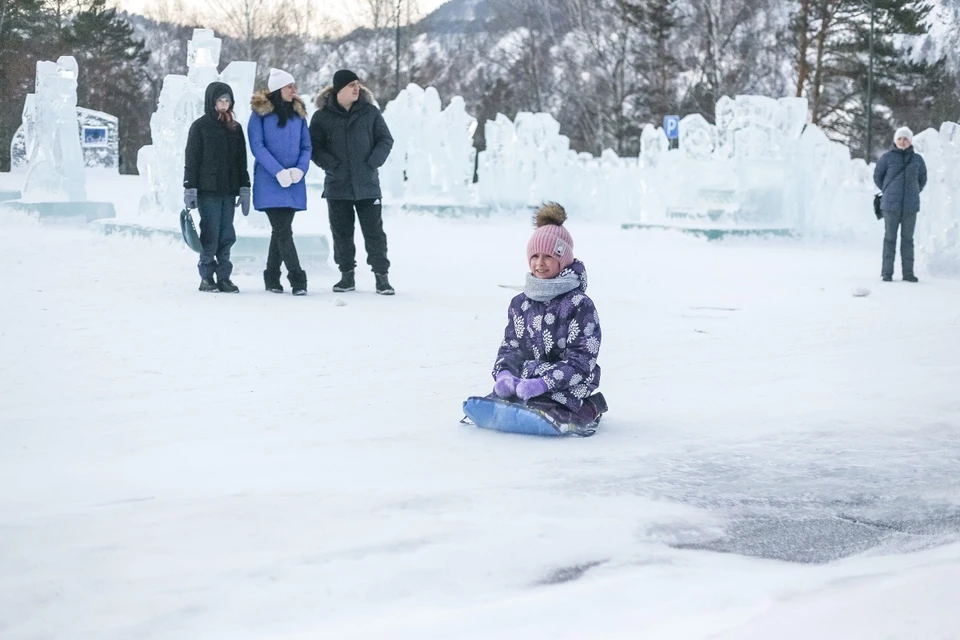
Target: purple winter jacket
[(557, 340)]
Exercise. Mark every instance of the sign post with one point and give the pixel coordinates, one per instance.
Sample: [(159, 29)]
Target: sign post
[(671, 127)]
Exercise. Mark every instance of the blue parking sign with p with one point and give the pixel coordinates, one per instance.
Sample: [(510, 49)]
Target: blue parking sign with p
[(671, 127)]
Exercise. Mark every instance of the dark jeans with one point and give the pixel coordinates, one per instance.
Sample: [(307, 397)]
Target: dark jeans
[(907, 224), (217, 235), (282, 247), (371, 224)]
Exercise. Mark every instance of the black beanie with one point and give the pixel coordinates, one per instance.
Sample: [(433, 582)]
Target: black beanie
[(342, 78)]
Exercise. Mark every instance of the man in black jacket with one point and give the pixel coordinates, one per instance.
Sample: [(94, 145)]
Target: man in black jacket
[(215, 181), (351, 142)]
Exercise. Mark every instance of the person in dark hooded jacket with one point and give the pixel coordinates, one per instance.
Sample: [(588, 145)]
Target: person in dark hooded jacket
[(215, 181), (350, 142), (901, 174)]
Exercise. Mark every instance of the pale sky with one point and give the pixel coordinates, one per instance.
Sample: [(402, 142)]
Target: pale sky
[(349, 13)]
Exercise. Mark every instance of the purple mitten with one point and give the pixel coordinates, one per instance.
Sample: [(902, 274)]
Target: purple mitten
[(532, 388), (506, 384)]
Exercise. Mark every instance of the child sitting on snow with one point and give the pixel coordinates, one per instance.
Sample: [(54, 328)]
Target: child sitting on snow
[(548, 357)]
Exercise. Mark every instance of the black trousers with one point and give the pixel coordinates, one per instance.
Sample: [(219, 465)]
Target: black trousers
[(371, 225), (282, 247)]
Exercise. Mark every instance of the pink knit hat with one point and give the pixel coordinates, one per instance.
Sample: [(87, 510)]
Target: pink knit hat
[(550, 236)]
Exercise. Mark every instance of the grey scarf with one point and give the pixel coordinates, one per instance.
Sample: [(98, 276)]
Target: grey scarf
[(546, 290)]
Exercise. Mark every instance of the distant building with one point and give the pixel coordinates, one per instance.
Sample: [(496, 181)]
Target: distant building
[(99, 139)]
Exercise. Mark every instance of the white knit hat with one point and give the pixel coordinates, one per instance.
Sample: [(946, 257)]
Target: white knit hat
[(903, 132), (278, 78)]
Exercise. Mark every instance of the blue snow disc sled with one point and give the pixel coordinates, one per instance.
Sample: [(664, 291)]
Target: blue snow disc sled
[(189, 231), (513, 417)]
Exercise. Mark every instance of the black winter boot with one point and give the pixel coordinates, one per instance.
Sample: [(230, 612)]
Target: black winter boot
[(347, 282), (298, 282), (227, 287), (911, 278), (383, 285), (207, 285), (599, 402), (887, 278), (272, 282)]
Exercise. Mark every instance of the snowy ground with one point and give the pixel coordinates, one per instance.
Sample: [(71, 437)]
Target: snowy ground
[(184, 465)]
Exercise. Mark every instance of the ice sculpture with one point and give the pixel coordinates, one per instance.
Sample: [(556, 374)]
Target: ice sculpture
[(53, 139), (525, 161), (698, 136), (724, 114), (180, 103), (203, 57), (737, 173), (458, 156), (433, 155), (938, 225), (760, 168), (25, 139), (654, 150), (505, 176)]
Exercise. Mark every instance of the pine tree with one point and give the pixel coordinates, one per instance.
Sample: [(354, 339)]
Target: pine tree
[(112, 75), (22, 36), (832, 39), (655, 56)]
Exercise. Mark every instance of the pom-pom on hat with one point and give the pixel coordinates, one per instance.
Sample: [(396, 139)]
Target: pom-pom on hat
[(551, 237), (278, 79)]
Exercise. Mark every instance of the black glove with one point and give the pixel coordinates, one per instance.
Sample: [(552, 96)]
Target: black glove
[(190, 198), (244, 200)]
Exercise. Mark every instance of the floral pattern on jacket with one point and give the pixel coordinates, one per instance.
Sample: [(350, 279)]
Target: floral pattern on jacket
[(557, 340)]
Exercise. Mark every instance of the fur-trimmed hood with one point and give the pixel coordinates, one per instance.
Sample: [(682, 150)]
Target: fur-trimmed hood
[(261, 105), (325, 97)]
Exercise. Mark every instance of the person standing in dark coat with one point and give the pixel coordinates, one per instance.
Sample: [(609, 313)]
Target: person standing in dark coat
[(280, 142), (215, 181), (351, 141), (901, 174)]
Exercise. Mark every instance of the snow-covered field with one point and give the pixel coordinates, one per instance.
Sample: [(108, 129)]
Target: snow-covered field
[(184, 465)]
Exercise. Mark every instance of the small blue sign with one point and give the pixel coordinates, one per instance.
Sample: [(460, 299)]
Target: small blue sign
[(671, 127)]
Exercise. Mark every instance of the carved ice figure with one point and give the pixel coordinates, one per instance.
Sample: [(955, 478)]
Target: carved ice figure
[(754, 127), (654, 148), (457, 162), (938, 226), (536, 137), (725, 114), (697, 137), (180, 103), (433, 154), (55, 157), (834, 191), (203, 57), (502, 179), (790, 120), (424, 145), (402, 117), (525, 161)]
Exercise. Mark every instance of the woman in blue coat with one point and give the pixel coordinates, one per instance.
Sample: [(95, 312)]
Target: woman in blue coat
[(280, 142)]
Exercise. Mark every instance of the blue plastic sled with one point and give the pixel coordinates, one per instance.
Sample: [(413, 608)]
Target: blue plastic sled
[(501, 415)]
